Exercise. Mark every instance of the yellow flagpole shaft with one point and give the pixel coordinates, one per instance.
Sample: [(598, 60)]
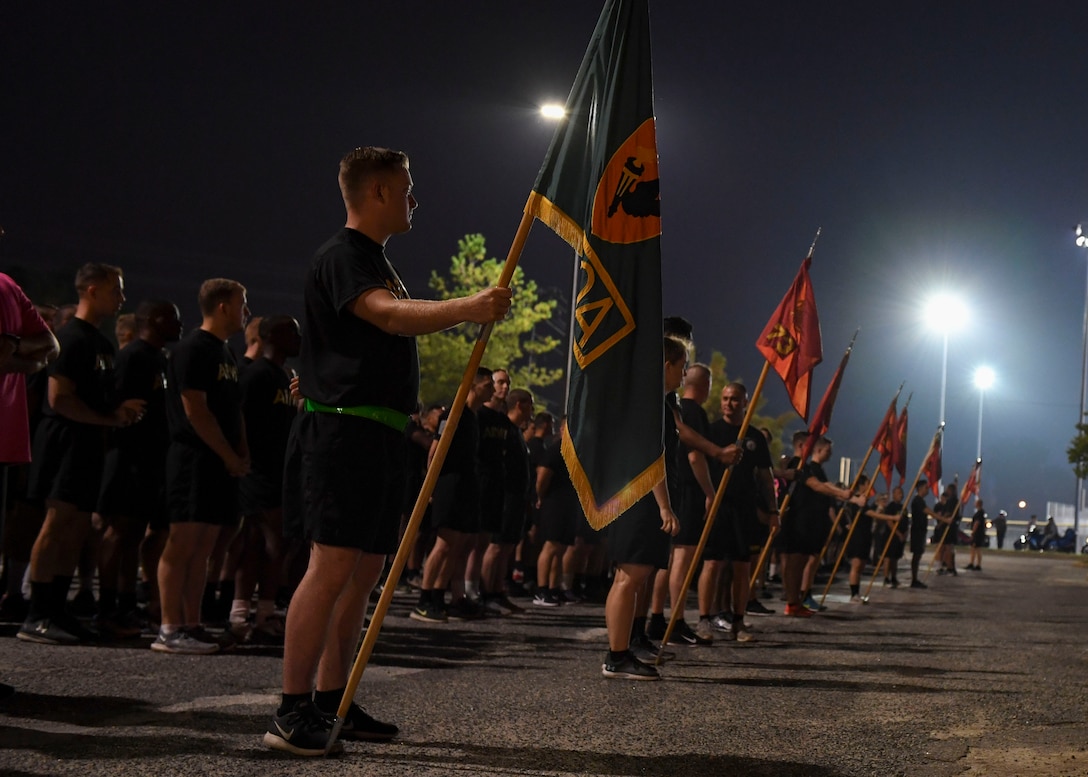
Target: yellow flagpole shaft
[(433, 471), (887, 545), (944, 535), (712, 514)]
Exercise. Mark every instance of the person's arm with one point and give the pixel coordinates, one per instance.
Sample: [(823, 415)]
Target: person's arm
[(28, 354), (207, 429), (379, 307), (728, 455), (669, 523), (827, 489), (64, 401), (543, 483), (765, 484), (701, 471)]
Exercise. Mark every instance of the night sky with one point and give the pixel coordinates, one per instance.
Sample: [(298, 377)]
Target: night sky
[(940, 146)]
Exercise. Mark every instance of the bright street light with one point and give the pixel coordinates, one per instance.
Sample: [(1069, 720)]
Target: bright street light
[(553, 111), (984, 379)]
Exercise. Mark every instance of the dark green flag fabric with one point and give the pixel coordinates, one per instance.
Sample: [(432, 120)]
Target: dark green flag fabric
[(598, 189)]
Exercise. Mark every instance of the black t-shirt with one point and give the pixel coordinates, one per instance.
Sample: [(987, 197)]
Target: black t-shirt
[(811, 508), (203, 362), (671, 439), (742, 492), (918, 517), (346, 361), (894, 508), (86, 359), (268, 412), (140, 372), (461, 457), (694, 417), (518, 469), (560, 485), (494, 427)]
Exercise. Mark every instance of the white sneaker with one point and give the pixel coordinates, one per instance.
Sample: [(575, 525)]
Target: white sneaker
[(721, 623), (855, 599)]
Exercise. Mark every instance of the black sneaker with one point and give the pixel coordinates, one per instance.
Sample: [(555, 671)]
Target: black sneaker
[(83, 604), (464, 610), (656, 627), (630, 668), (918, 584), (46, 632), (643, 648), (304, 730), (683, 635), (756, 607), (358, 726), (545, 598), (428, 613)]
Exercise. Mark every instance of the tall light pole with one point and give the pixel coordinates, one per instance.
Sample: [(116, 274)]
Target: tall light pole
[(944, 313), (1082, 241), (984, 379)]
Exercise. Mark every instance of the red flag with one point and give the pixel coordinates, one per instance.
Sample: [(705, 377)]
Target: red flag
[(932, 467), (822, 420), (886, 443), (970, 488), (791, 340), (901, 445)]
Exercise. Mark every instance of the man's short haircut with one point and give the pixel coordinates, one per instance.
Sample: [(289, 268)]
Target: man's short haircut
[(149, 309), (675, 349), (800, 436), (481, 373), (216, 291), (359, 166), (253, 330), (700, 368), (517, 396), (823, 441), (737, 385), (94, 273), (677, 326), (126, 322), (269, 324), (543, 418)]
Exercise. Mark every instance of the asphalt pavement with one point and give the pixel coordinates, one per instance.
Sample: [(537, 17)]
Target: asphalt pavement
[(982, 674)]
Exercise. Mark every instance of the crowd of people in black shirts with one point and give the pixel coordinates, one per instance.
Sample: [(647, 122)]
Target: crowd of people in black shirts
[(176, 452), (219, 502)]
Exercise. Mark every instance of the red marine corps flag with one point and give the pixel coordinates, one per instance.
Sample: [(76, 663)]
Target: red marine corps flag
[(821, 422), (901, 443), (932, 466), (887, 444), (974, 480), (791, 340), (598, 189)]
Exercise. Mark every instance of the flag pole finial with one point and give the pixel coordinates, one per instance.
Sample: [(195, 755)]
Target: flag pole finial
[(812, 247)]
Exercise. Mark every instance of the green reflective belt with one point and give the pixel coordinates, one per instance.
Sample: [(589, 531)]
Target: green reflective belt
[(383, 415)]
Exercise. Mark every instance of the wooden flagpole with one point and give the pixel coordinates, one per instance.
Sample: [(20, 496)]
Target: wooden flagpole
[(891, 535), (433, 470), (849, 533), (712, 514)]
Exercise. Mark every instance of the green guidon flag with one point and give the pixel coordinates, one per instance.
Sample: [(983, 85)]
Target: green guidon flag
[(598, 190)]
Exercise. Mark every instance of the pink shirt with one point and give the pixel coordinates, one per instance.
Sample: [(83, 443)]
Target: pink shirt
[(17, 316)]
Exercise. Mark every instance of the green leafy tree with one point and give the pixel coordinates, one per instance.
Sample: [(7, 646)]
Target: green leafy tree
[(776, 424), (515, 345), (1078, 451)]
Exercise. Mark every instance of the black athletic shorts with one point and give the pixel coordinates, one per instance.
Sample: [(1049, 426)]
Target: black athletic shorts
[(456, 503), (198, 487), (801, 536), (557, 519), (134, 486), (740, 537), (690, 512), (515, 519), (258, 492), (636, 537), (861, 544), (67, 463), (343, 482), (918, 538), (492, 498)]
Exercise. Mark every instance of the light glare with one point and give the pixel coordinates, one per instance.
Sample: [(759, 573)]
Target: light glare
[(553, 111), (984, 378), (945, 313)]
